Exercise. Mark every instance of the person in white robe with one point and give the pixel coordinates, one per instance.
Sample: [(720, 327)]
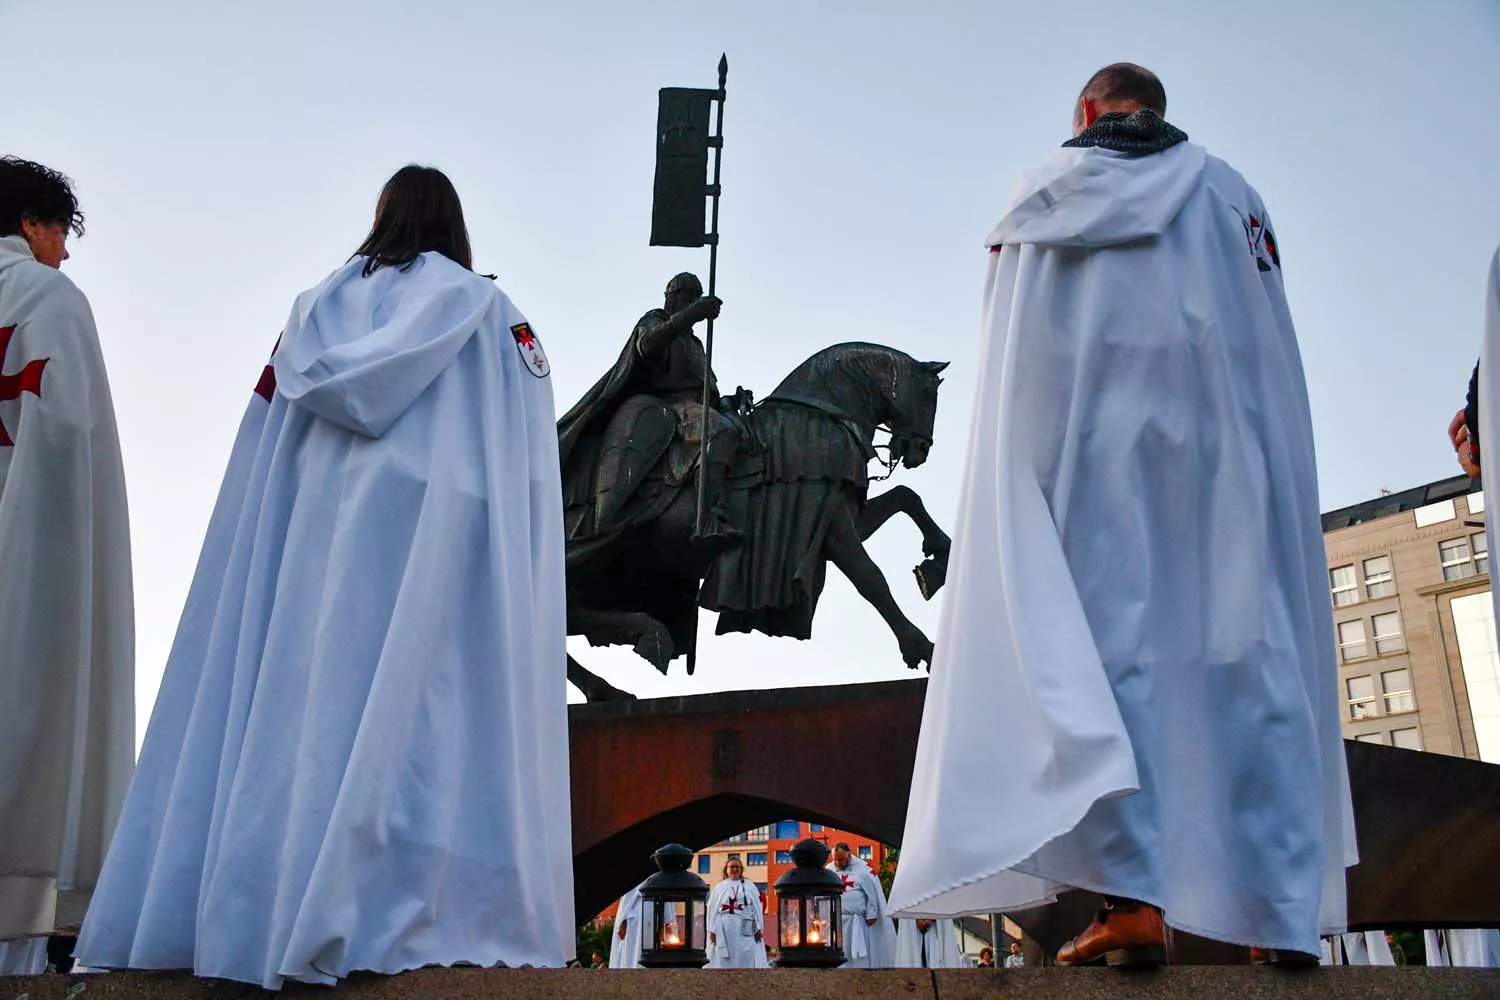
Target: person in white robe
[(1358, 948), (1479, 417), (626, 942), (1138, 620), (1473, 947), (869, 936), (67, 618), (358, 758), (736, 922), (927, 944)]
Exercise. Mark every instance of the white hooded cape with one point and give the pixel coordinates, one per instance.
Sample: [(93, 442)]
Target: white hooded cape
[(67, 626), (1358, 948), (358, 758), (868, 946), (1137, 626), (940, 941), (1473, 947), (625, 953), (1489, 410), (734, 945)]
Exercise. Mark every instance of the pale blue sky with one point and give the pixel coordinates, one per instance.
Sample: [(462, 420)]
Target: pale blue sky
[(228, 156)]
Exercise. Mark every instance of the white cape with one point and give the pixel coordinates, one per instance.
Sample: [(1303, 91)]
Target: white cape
[(1473, 947), (868, 946), (625, 952), (23, 957), (1358, 948), (67, 626), (940, 945), (1489, 410), (358, 758), (1138, 625), (736, 913)]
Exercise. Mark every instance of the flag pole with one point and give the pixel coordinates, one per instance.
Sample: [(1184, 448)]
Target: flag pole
[(717, 142)]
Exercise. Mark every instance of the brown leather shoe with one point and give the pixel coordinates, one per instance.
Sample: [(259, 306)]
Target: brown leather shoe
[(1123, 933)]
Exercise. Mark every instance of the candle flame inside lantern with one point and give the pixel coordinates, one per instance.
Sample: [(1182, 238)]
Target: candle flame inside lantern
[(671, 938), (814, 937)]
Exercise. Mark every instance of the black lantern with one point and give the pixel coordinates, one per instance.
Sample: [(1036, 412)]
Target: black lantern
[(811, 906), (674, 922)]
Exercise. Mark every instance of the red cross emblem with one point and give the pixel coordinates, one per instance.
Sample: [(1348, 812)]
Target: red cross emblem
[(28, 379), (848, 882), (266, 387), (733, 905)]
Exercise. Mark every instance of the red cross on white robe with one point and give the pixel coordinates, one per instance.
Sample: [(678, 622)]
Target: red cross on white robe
[(266, 387), (28, 379), (848, 882)]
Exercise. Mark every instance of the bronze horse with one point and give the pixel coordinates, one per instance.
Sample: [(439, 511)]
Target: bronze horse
[(799, 490)]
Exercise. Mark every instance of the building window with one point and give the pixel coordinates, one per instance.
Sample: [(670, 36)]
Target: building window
[(1396, 686), (788, 829), (1407, 739), (1481, 548), (783, 857), (756, 859), (1370, 738), (760, 833), (1435, 513), (1352, 641), (864, 852), (1344, 585), (1361, 697), (1378, 579), (815, 827), (1388, 633), (736, 857), (705, 864), (1457, 563), (1476, 503)]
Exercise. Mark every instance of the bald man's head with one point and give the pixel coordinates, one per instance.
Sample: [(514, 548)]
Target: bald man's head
[(1118, 87)]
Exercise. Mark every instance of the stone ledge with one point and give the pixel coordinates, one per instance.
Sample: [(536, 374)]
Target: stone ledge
[(1239, 983)]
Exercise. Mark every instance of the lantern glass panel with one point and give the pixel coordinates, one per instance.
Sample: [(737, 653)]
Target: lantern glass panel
[(789, 922), (824, 928)]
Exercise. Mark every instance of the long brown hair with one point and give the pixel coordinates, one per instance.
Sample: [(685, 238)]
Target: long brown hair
[(418, 211)]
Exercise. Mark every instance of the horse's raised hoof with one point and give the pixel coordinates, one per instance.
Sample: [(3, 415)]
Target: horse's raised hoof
[(655, 646), (916, 649), (931, 575)]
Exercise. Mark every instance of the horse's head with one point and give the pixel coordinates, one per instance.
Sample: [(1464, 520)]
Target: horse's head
[(913, 399)]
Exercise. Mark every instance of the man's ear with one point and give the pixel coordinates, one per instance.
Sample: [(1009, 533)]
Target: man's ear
[(1090, 110)]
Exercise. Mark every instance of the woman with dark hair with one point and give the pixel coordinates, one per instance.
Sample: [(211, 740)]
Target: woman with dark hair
[(358, 759)]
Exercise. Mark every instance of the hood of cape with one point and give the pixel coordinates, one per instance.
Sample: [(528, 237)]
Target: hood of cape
[(360, 350), (1095, 196)]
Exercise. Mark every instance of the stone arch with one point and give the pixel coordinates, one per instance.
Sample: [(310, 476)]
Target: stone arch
[(703, 768)]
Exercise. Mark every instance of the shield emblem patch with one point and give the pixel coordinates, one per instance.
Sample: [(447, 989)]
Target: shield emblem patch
[(531, 350)]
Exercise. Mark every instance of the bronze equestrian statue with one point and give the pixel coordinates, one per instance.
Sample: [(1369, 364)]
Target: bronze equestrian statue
[(787, 491)]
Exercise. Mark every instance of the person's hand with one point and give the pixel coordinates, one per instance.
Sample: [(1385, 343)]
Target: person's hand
[(758, 937), (1458, 436), (1466, 461), (1458, 429), (621, 932), (713, 938), (708, 307), (869, 921)]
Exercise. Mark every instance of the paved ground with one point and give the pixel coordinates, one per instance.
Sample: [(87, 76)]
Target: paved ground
[(776, 984)]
